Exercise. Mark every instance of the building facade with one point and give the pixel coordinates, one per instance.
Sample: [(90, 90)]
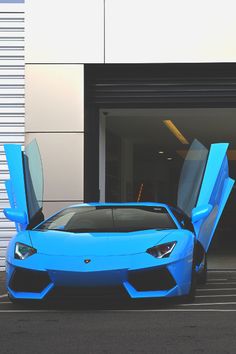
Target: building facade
[(87, 60)]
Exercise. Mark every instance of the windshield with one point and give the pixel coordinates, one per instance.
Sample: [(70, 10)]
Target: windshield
[(109, 219)]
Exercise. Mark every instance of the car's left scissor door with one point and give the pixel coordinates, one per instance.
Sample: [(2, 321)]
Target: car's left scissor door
[(25, 186)]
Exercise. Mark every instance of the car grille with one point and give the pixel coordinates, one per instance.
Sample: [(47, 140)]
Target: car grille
[(151, 280), (64, 291)]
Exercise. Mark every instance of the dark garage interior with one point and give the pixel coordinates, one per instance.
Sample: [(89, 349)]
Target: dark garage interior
[(140, 154), (144, 157)]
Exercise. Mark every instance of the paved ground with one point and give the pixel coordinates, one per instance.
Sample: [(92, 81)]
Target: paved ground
[(117, 332), (206, 326)]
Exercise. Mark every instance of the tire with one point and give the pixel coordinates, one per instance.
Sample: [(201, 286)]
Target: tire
[(15, 301), (190, 297), (21, 302), (192, 291), (202, 275)]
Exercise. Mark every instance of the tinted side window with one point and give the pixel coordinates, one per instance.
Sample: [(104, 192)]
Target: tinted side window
[(183, 219)]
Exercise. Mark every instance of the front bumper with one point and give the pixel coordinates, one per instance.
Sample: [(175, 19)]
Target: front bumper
[(152, 279)]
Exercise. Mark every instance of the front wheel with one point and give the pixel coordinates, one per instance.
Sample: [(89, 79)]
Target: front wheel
[(202, 274), (192, 291), (22, 302), (15, 301), (190, 297)]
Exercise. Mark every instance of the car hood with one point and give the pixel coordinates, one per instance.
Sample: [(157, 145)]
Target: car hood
[(95, 244)]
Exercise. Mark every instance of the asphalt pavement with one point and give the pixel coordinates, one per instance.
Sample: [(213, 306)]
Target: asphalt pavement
[(206, 326)]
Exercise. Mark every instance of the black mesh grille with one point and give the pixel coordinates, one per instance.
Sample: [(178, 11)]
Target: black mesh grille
[(112, 291), (29, 280), (151, 280)]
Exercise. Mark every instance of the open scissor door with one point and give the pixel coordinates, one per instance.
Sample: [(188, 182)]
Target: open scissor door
[(25, 186), (204, 188)]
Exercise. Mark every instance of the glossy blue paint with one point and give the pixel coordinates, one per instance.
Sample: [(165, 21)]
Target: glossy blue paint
[(30, 296), (113, 255), (10, 194), (149, 294), (25, 187), (216, 168), (215, 189), (19, 216), (96, 244), (16, 186), (201, 212)]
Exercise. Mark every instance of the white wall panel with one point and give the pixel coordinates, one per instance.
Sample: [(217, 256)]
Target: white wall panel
[(50, 208), (69, 31), (54, 98), (62, 157), (156, 31)]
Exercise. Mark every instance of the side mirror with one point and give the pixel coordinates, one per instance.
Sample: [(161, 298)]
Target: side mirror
[(16, 215), (201, 212)]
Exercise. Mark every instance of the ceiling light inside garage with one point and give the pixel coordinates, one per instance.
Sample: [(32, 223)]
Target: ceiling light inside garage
[(231, 155), (175, 131)]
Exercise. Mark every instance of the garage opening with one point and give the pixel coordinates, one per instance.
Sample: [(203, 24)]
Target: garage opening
[(140, 123)]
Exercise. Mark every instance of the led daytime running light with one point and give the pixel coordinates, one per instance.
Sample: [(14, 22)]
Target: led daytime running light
[(23, 251), (162, 251)]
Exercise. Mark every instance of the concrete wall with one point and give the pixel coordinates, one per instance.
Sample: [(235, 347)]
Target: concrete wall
[(61, 36), (130, 31), (55, 117), (157, 31), (70, 31)]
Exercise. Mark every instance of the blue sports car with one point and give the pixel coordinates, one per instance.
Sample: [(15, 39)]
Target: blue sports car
[(142, 250)]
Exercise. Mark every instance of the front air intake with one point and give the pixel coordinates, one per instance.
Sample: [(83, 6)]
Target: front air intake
[(151, 280), (24, 280)]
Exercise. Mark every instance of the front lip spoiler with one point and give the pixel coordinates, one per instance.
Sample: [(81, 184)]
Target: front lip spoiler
[(131, 292), (29, 295)]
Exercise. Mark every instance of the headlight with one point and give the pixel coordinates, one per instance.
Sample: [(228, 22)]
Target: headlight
[(23, 251), (162, 251)]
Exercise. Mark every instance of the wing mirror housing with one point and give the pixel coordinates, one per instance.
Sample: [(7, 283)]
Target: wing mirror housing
[(201, 212), (16, 215)]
